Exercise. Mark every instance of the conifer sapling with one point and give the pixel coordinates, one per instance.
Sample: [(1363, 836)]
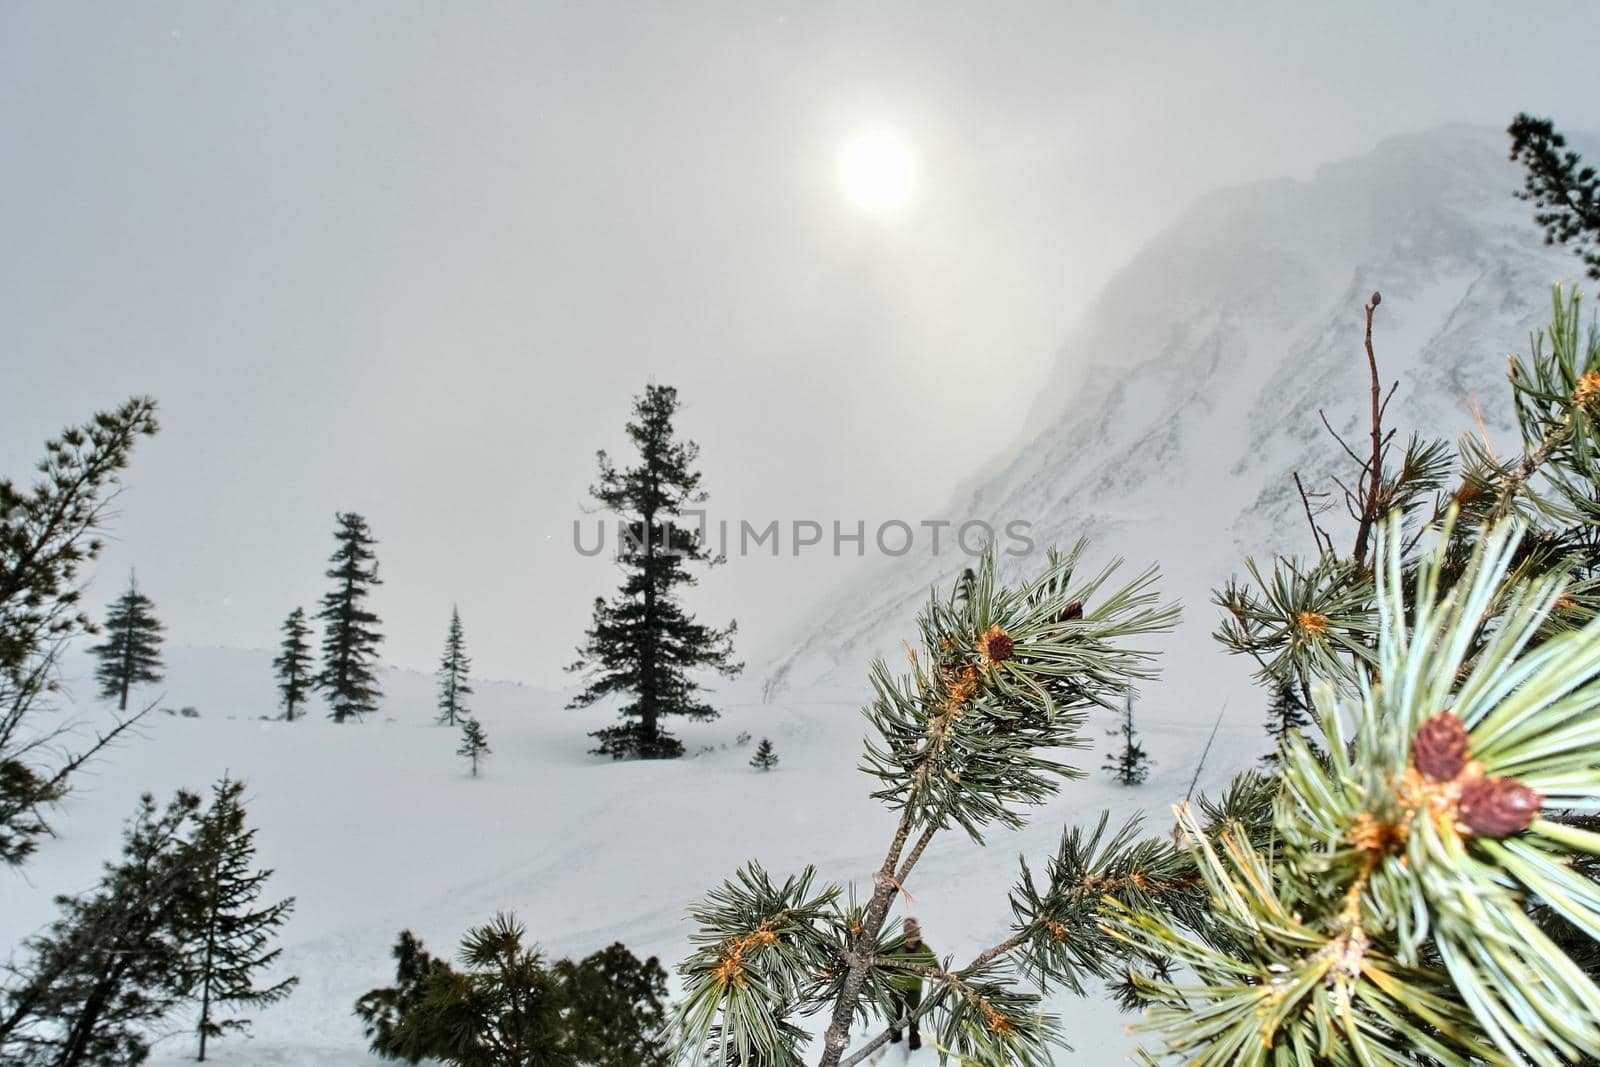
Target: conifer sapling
[(474, 743), (293, 665), (765, 758)]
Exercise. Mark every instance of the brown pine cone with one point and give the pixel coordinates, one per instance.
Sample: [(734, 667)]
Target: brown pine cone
[(1440, 747), (1072, 611), (1495, 807)]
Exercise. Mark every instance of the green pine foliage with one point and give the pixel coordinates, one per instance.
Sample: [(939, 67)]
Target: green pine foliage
[(765, 757), (229, 939), (131, 653), (967, 740), (350, 628), (293, 666), (1389, 922), (91, 987), (474, 743), (454, 685), (48, 531), (506, 1008), (1128, 762), (1564, 192), (643, 643)]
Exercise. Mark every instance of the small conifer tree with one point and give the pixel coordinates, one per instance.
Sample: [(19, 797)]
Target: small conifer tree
[(1128, 762), (293, 665), (229, 938), (454, 685), (350, 637), (474, 743), (1287, 714), (765, 758), (131, 653)]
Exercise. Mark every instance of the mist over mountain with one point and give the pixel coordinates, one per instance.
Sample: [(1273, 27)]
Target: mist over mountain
[(1189, 395)]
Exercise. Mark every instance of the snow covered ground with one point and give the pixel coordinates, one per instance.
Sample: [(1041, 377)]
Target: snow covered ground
[(377, 827)]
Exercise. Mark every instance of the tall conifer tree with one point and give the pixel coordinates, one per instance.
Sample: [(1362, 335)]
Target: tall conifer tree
[(230, 939), (454, 685), (350, 640), (131, 654), (642, 642), (293, 665)]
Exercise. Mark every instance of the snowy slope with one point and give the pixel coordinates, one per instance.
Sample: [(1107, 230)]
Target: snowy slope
[(377, 827), (1184, 402)]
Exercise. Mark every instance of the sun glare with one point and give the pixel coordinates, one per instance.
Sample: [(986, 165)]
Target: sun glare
[(878, 172)]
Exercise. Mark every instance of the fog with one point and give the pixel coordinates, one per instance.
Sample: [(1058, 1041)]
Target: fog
[(414, 260)]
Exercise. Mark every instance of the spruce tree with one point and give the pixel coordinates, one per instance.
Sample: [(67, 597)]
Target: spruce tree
[(47, 533), (765, 758), (474, 743), (1564, 192), (1288, 714), (350, 636), (454, 685), (110, 968), (131, 654), (643, 643), (228, 938), (293, 665), (1128, 762)]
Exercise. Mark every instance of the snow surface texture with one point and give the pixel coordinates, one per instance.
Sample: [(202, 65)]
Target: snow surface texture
[(1186, 400)]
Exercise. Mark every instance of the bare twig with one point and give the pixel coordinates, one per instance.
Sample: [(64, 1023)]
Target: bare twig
[(1317, 534), (1374, 472)]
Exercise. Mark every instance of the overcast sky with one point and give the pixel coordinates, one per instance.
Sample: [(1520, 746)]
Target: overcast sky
[(413, 260)]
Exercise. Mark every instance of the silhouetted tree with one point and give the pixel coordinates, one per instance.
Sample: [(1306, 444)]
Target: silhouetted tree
[(131, 654), (230, 938), (293, 665), (642, 642), (765, 758), (350, 639), (1564, 192), (1128, 762), (474, 743), (454, 686), (1288, 713), (47, 532)]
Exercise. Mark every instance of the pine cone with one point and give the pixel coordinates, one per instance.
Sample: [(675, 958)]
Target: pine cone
[(1495, 807), (1377, 298), (1072, 611), (1440, 747), (995, 644)]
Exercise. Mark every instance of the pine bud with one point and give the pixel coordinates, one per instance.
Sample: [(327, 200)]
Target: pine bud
[(1377, 298), (995, 644), (1440, 748), (1495, 807), (1072, 612)]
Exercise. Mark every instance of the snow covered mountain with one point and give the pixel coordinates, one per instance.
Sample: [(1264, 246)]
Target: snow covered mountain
[(1189, 396), (1184, 403)]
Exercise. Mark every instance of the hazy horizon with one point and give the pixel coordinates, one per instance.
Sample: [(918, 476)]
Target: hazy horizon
[(415, 262)]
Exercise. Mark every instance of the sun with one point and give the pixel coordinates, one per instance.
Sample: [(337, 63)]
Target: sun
[(878, 172)]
